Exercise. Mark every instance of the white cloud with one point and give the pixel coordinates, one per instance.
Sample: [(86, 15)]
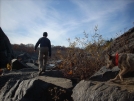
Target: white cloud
[(97, 11), (25, 21), (26, 16)]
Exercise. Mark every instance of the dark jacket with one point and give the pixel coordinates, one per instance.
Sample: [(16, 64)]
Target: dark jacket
[(6, 52), (44, 42)]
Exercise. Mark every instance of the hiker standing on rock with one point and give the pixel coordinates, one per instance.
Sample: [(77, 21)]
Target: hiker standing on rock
[(44, 51)]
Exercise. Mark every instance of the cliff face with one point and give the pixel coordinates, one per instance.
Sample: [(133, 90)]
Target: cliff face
[(124, 43)]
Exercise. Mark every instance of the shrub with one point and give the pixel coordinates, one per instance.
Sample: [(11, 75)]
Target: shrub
[(84, 61)]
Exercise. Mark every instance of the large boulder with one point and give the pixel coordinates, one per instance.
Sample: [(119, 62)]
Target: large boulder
[(105, 74), (100, 91), (35, 90), (6, 52), (25, 58), (26, 85), (16, 64), (99, 88)]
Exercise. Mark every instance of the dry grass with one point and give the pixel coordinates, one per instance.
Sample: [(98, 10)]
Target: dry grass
[(85, 61)]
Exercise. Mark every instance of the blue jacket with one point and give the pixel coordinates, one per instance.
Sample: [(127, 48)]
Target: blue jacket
[(44, 42)]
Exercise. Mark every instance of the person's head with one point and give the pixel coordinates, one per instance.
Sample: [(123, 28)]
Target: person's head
[(45, 34)]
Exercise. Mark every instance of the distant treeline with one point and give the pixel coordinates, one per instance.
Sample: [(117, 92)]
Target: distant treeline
[(29, 48)]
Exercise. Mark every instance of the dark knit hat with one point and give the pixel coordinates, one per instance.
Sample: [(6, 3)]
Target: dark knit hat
[(45, 34)]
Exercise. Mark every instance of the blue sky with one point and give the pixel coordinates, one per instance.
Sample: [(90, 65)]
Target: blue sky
[(24, 21)]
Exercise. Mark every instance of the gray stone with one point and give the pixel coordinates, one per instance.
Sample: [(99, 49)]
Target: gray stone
[(62, 82), (26, 85), (25, 57), (32, 65), (31, 90), (105, 74), (91, 91), (18, 64)]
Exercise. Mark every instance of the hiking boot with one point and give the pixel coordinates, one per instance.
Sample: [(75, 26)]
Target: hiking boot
[(43, 70), (40, 73)]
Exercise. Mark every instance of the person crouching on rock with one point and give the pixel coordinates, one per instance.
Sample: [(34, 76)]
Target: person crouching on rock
[(44, 51), (6, 53)]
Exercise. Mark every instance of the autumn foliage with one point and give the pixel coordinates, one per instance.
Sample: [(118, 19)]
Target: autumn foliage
[(83, 62)]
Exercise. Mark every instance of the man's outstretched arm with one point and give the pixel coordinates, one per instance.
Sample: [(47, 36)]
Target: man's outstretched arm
[(36, 45)]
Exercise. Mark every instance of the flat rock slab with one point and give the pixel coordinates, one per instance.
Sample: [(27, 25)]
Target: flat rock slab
[(62, 82), (127, 84), (48, 67), (105, 74), (32, 65), (54, 77), (53, 73)]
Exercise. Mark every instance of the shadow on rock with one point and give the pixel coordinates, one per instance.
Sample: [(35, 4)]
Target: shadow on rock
[(53, 73)]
